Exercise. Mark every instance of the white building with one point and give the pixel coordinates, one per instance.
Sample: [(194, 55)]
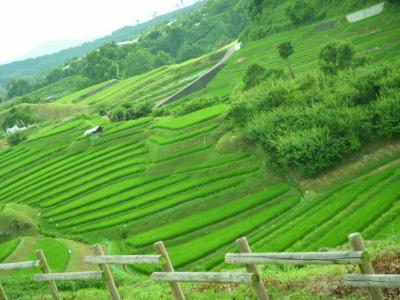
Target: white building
[(14, 129)]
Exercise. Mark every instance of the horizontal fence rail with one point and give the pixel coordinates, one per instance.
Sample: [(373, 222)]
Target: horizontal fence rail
[(126, 259), (20, 265), (91, 275), (376, 280), (299, 258), (218, 277)]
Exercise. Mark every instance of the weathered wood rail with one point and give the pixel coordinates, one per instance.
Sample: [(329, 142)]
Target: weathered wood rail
[(357, 256), (90, 275), (218, 277), (320, 258), (375, 281), (20, 265)]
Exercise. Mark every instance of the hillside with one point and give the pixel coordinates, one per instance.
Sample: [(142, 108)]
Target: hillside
[(35, 66), (294, 163)]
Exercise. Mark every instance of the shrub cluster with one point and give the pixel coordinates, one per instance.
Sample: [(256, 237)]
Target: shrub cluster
[(311, 123)]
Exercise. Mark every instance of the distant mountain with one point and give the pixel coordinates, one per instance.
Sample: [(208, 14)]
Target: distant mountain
[(53, 47), (35, 66)]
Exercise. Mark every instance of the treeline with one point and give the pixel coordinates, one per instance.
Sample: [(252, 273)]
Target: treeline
[(309, 124), (213, 25)]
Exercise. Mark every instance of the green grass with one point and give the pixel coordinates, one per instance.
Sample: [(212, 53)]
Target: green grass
[(191, 118), (102, 194), (111, 201), (149, 87), (183, 186), (85, 167), (170, 202), (56, 253), (387, 225), (65, 127), (371, 209), (94, 181), (161, 140), (197, 248), (313, 214), (375, 38), (7, 248), (58, 89), (207, 217), (218, 162)]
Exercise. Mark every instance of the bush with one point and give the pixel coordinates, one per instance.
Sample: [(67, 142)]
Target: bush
[(16, 138), (256, 73), (311, 123), (197, 104), (300, 13), (336, 56), (386, 114)]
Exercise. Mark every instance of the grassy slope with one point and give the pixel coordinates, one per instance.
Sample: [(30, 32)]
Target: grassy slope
[(195, 166), (375, 38), (151, 86)]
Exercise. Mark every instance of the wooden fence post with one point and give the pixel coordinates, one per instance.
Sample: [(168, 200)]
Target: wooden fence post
[(261, 292), (107, 276), (357, 244), (3, 295), (167, 266), (46, 269)]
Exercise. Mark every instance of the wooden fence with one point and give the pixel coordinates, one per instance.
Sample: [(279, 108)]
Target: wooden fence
[(357, 256)]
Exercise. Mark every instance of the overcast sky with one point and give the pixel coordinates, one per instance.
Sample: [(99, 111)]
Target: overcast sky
[(25, 24)]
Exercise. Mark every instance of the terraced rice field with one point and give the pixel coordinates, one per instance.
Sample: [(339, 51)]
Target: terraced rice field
[(376, 38), (185, 181), (155, 85)]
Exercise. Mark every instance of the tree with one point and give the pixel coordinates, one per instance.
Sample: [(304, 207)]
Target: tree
[(22, 118), (256, 73), (336, 56), (301, 12), (286, 50), (54, 75), (100, 68), (18, 87), (16, 138), (139, 62), (162, 58), (189, 51)]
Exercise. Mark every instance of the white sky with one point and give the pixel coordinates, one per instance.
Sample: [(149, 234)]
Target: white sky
[(25, 24)]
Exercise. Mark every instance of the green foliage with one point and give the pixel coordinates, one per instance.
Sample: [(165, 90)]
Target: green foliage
[(312, 123), (130, 112), (198, 103), (301, 12), (207, 244), (16, 138), (192, 118), (139, 62), (285, 50), (22, 117), (255, 74), (177, 138), (170, 202), (207, 217), (7, 248), (18, 87), (386, 114), (336, 56)]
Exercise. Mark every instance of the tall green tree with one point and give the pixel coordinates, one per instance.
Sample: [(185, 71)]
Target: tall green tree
[(139, 62), (336, 56), (285, 51)]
